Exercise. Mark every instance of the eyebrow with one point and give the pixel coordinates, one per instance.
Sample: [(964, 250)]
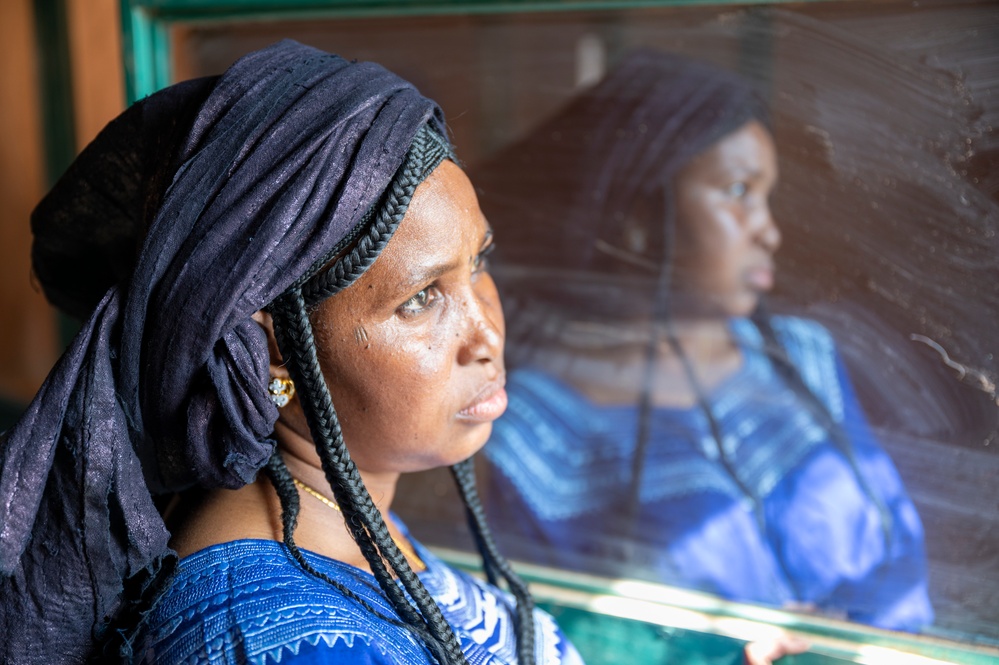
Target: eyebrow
[(422, 276), (739, 170)]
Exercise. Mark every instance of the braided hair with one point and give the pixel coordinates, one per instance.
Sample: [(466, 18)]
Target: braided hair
[(296, 341)]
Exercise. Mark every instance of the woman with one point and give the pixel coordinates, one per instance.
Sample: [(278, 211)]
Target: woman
[(660, 422), (250, 250)]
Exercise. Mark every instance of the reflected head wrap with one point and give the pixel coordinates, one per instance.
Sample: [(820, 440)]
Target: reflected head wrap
[(611, 154), (195, 208)]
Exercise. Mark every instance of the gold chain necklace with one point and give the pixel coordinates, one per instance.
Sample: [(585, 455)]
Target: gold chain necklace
[(404, 547)]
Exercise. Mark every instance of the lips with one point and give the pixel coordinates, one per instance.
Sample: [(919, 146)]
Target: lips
[(760, 278), (488, 405)]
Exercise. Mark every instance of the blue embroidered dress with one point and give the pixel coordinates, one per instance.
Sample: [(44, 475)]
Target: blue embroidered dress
[(806, 531), (247, 602)]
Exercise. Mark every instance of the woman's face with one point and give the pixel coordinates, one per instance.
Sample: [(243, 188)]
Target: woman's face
[(725, 234), (413, 350)]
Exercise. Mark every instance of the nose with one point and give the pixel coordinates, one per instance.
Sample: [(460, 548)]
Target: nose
[(765, 229), (483, 330)]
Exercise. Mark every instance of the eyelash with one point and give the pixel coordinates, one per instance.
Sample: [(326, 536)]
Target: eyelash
[(431, 294), (481, 263)]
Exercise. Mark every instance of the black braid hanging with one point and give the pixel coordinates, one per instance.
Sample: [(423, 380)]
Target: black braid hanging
[(294, 335), (494, 564), (296, 342), (277, 472)]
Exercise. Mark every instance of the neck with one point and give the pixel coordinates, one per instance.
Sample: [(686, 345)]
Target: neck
[(607, 361), (321, 527), (700, 338), (303, 463), (703, 339)]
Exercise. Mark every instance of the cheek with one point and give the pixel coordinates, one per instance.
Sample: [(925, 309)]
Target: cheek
[(422, 382), (709, 233), (396, 379)]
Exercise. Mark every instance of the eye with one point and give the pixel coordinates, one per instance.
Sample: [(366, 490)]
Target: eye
[(481, 262), (420, 302), (737, 190)]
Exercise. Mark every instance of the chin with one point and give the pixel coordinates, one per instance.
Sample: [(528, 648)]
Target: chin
[(742, 312), (458, 451), (741, 306), (475, 441)]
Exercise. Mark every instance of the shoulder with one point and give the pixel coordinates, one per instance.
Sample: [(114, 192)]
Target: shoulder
[(483, 617), (810, 348), (246, 601), (803, 335)]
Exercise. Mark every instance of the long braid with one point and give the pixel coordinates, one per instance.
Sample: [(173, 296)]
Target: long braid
[(296, 341), (494, 563), (705, 405), (294, 334), (427, 151), (792, 377), (714, 428), (660, 311), (284, 485)]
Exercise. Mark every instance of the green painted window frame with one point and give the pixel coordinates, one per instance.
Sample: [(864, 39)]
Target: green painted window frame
[(146, 23)]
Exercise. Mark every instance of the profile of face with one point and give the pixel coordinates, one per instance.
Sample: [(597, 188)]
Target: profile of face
[(413, 350), (725, 234)]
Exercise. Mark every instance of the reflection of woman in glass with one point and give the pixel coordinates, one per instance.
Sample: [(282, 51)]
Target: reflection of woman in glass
[(298, 223), (659, 419)]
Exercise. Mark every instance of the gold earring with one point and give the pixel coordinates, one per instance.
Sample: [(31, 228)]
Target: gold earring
[(281, 390)]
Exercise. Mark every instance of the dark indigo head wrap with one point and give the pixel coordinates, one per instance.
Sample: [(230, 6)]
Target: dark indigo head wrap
[(560, 196), (234, 188)]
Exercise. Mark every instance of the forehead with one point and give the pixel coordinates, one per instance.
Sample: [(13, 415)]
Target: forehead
[(443, 227), (748, 147), (446, 200)]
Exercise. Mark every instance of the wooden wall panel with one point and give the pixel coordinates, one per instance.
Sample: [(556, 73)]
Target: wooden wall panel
[(98, 78), (27, 330), (29, 342)]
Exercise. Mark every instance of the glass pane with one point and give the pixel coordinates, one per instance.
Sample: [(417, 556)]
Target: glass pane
[(784, 396)]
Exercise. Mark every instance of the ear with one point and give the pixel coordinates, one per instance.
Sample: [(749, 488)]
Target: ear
[(277, 362), (291, 418)]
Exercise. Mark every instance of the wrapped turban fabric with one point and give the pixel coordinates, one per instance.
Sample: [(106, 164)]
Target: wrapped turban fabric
[(197, 207)]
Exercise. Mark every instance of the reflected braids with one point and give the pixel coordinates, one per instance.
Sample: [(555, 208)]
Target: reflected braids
[(414, 605)]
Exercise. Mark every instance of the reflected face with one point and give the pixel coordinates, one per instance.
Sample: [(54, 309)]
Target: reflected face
[(413, 350), (725, 234)]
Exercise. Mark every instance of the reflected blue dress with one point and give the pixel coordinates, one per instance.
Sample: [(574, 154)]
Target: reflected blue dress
[(247, 602), (799, 527)]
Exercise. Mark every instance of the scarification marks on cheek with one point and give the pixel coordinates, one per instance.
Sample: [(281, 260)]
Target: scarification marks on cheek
[(361, 336)]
